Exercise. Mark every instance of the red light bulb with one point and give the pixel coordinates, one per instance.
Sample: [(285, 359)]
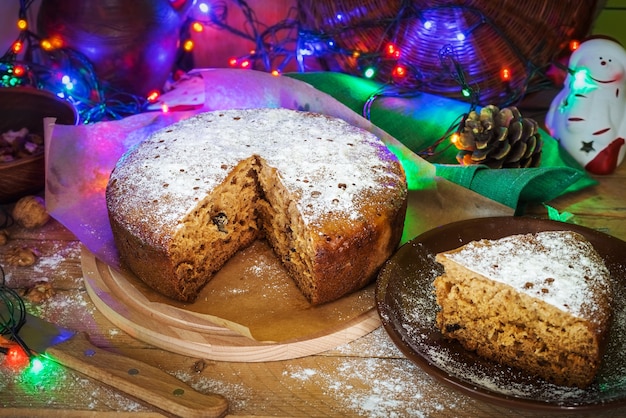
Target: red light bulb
[(505, 74), (17, 47), (153, 96), (16, 358), (399, 71), (18, 71), (392, 51)]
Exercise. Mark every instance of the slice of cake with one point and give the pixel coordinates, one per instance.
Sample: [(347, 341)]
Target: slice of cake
[(538, 302)]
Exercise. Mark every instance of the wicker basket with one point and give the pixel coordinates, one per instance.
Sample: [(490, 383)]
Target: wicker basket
[(523, 36), (26, 107)]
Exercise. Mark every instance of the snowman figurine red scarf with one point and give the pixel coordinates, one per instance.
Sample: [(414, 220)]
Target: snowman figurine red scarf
[(588, 117)]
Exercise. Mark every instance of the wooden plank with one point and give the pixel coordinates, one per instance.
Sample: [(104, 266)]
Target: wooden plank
[(601, 207)]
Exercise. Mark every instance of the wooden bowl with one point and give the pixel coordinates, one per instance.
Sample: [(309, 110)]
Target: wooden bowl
[(26, 107)]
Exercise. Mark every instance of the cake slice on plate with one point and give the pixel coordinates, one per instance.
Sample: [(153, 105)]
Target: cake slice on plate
[(539, 302)]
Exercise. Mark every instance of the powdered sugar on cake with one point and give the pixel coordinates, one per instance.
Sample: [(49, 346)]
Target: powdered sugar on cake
[(565, 273), (202, 150)]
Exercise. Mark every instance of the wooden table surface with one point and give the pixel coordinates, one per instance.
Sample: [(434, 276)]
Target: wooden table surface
[(367, 377)]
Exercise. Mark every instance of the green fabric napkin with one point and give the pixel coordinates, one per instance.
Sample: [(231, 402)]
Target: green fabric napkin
[(419, 120)]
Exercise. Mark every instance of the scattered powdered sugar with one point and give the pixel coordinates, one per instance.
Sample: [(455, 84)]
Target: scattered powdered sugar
[(558, 267), (65, 310), (53, 261), (501, 380), (265, 266), (59, 253), (375, 387), (236, 394), (377, 344)]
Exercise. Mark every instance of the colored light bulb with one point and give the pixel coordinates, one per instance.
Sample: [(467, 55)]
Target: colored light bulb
[(36, 366), (153, 96), (204, 7), (197, 27), (505, 74), (19, 71), (188, 45), (16, 358), (45, 44), (392, 50), (399, 71), (17, 47), (582, 80), (56, 42)]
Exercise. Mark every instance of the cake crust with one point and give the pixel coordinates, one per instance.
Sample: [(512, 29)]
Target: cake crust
[(537, 302), (329, 198)]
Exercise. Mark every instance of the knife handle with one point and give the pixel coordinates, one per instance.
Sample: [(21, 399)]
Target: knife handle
[(140, 380)]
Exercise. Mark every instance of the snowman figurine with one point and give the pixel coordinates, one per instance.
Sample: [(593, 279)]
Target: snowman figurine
[(588, 117)]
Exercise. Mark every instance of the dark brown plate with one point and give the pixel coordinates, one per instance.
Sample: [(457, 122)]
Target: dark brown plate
[(407, 307)]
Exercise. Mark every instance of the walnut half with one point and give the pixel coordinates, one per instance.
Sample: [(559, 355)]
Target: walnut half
[(40, 291), (22, 256)]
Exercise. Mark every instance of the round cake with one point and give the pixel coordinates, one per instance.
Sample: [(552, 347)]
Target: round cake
[(329, 198)]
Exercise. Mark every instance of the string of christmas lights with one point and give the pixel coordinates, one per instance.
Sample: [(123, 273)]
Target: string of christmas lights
[(12, 313), (273, 45), (340, 39), (332, 43), (17, 355), (394, 57), (12, 318), (382, 43), (46, 64)]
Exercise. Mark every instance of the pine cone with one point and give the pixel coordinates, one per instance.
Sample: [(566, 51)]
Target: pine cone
[(499, 139)]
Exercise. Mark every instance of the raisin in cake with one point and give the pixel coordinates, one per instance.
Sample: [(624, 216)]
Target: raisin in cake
[(539, 302), (328, 197)]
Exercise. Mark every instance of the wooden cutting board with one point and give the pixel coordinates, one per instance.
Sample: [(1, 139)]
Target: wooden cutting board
[(191, 331)]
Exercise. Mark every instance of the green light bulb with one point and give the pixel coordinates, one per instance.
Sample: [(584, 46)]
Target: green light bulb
[(36, 366), (369, 72), (582, 80)]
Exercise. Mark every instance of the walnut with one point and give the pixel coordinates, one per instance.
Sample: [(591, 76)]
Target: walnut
[(30, 212), (4, 236), (40, 291), (22, 256), (199, 366)]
